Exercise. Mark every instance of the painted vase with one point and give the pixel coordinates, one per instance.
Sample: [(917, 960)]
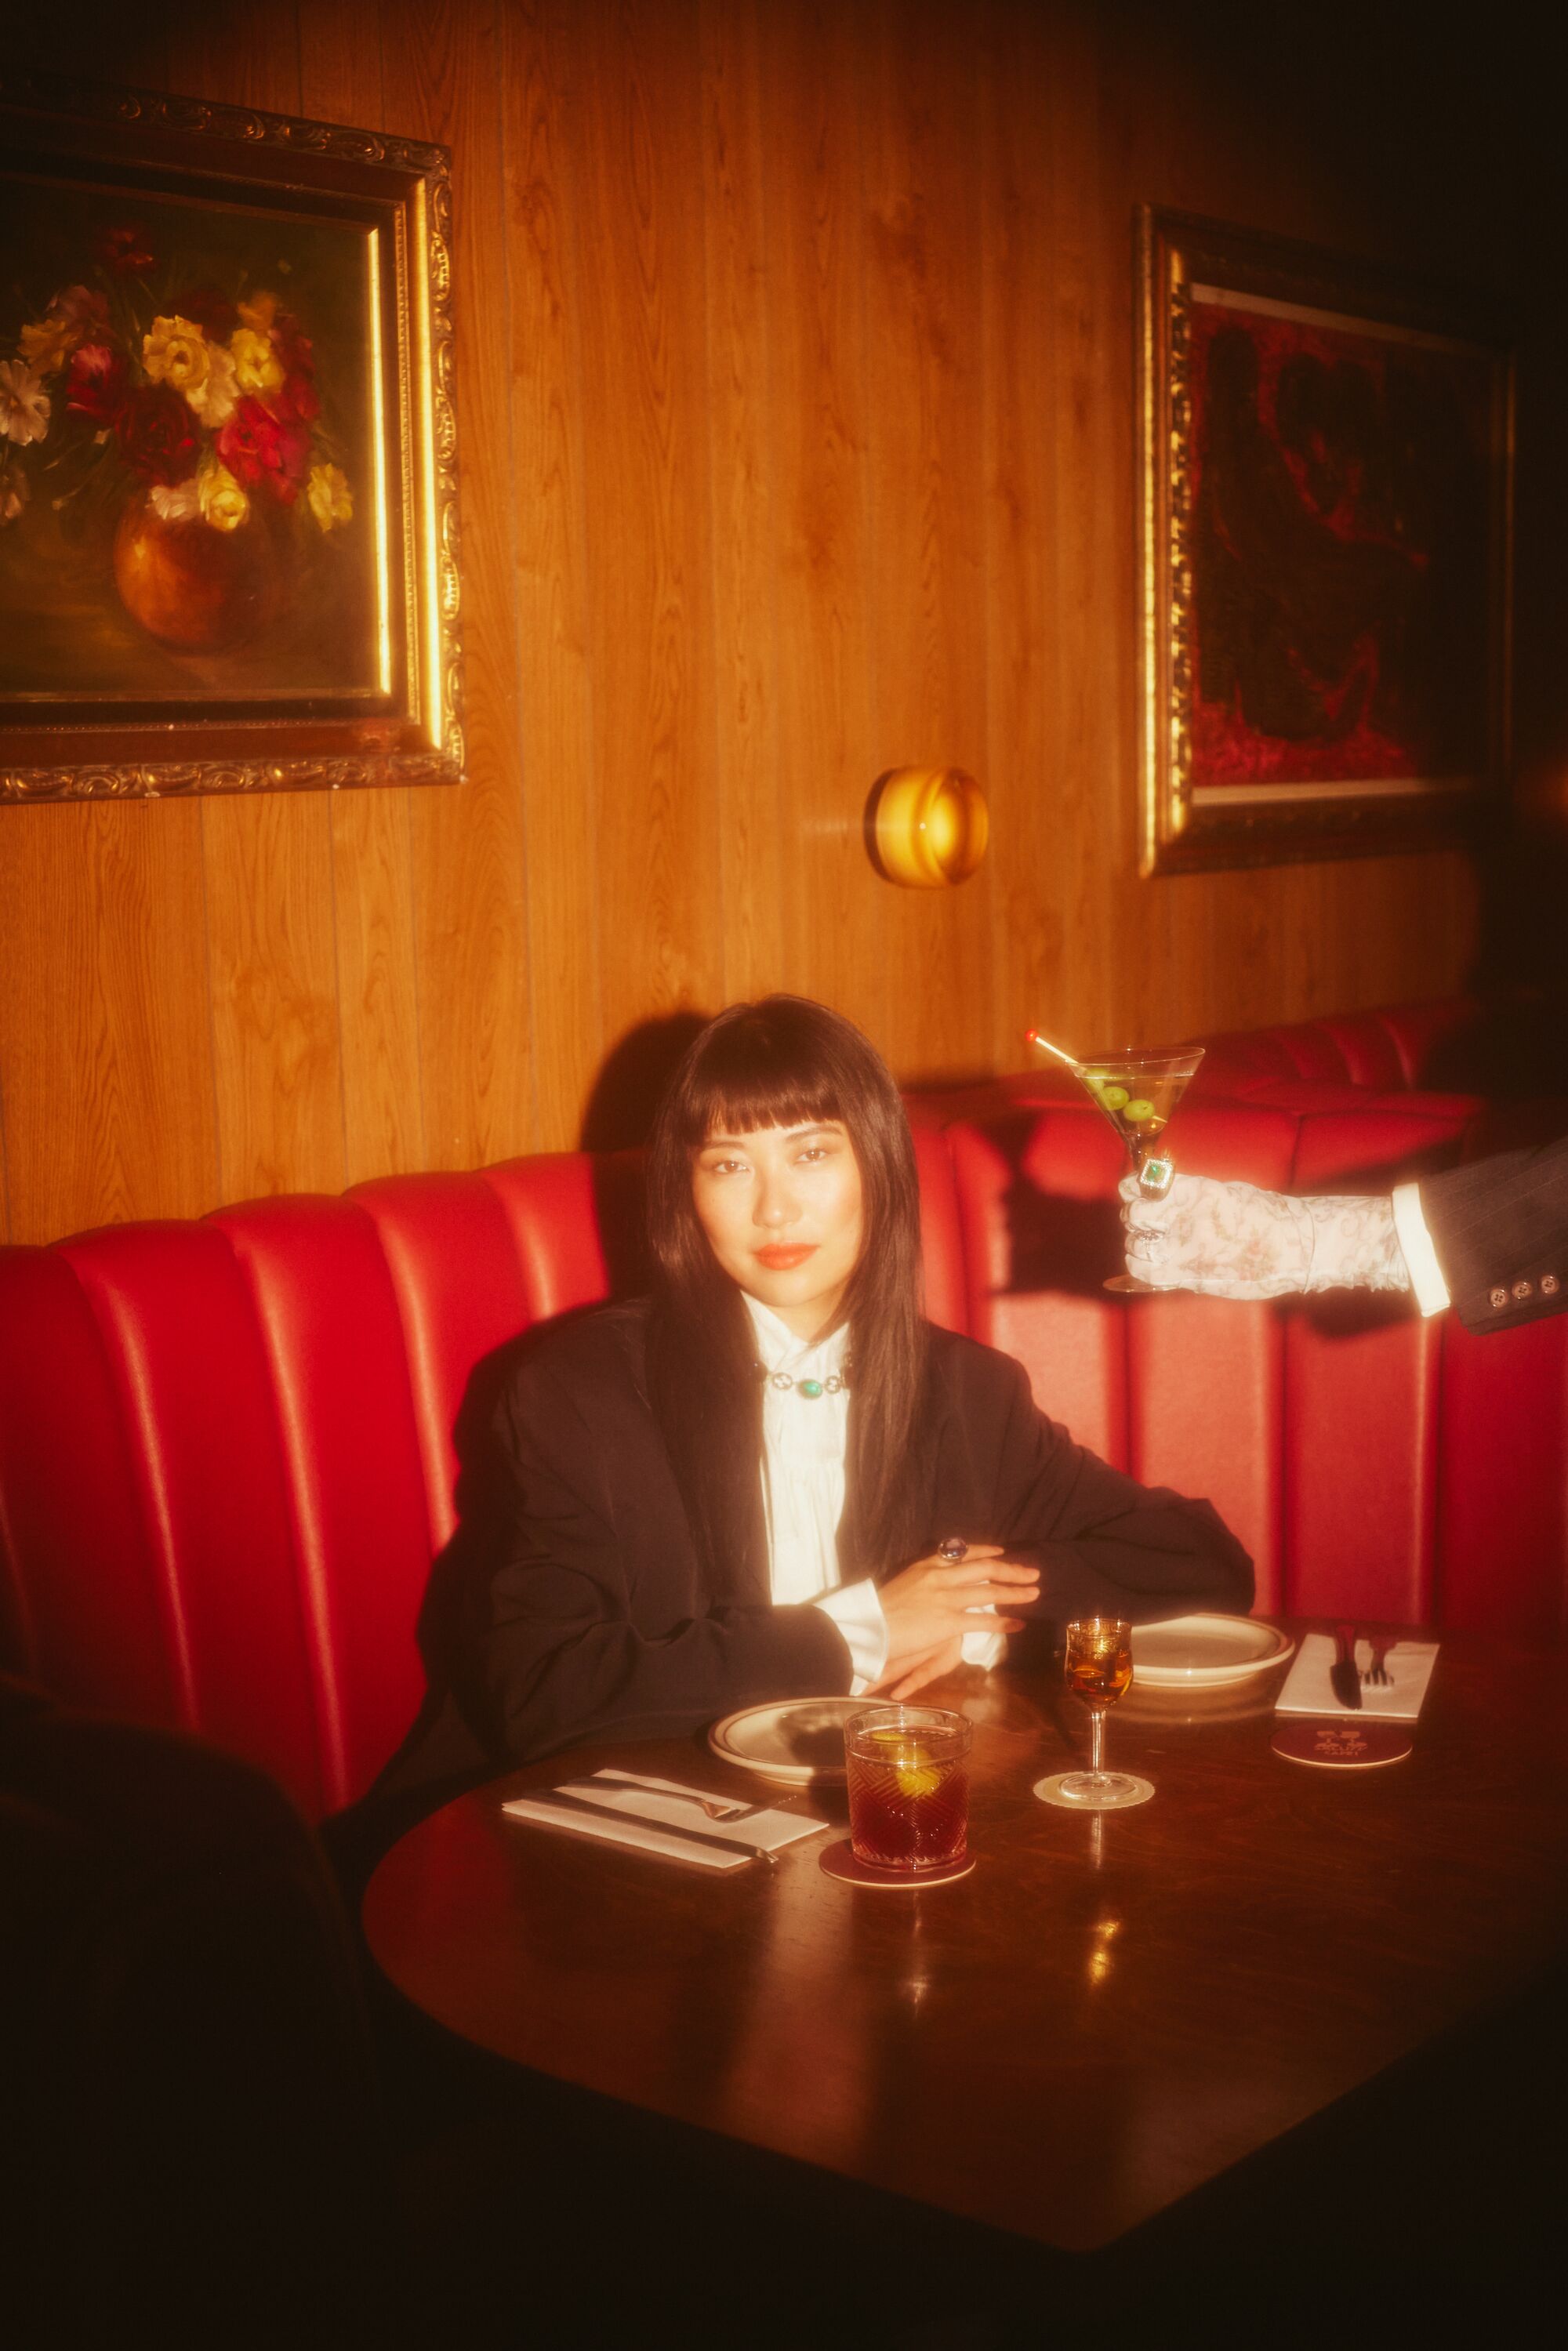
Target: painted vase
[(198, 590)]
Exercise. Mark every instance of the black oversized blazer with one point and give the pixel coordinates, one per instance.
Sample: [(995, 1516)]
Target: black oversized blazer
[(595, 1616)]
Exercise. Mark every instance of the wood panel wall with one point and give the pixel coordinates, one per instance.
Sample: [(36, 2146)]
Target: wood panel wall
[(794, 379)]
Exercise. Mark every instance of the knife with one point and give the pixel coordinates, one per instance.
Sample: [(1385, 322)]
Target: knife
[(1343, 1679), (559, 1801)]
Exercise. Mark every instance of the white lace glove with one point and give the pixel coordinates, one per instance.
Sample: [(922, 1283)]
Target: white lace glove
[(1231, 1240)]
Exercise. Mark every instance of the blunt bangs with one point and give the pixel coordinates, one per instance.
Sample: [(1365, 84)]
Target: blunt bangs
[(764, 1065), (747, 1105)]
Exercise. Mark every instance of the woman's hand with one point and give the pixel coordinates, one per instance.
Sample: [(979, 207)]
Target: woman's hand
[(927, 1608), (946, 1659)]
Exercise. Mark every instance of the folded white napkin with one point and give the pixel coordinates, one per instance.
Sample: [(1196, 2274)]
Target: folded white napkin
[(652, 1817), (1407, 1663)]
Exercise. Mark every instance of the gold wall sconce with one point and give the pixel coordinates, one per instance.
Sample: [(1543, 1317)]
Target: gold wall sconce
[(927, 827)]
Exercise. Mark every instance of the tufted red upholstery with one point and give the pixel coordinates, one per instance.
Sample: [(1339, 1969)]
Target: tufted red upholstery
[(226, 1448), (1385, 1050)]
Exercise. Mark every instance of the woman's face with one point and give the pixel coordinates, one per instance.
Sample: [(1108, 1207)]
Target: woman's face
[(781, 1208)]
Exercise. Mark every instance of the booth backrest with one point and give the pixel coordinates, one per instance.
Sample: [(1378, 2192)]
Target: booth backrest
[(1299, 1065), (228, 1448), (1386, 1050)]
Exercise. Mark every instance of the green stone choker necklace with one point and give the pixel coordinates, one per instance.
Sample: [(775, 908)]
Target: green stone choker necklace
[(831, 1386)]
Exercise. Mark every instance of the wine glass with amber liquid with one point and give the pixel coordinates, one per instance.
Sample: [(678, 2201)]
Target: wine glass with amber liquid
[(1138, 1093), (1099, 1664)]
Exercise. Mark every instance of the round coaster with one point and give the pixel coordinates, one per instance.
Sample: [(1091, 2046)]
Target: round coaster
[(1049, 1791), (1343, 1744), (839, 1861)]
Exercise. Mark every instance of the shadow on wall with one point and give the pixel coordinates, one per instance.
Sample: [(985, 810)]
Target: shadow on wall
[(616, 1125), (619, 1114)]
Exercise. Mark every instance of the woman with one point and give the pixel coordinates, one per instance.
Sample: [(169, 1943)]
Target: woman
[(739, 1489)]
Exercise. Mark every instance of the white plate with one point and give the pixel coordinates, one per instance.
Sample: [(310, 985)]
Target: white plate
[(1202, 1652), (798, 1740)]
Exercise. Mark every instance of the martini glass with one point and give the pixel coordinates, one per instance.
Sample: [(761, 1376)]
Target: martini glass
[(1138, 1093)]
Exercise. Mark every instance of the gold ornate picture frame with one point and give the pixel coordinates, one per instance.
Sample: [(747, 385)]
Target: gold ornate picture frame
[(1324, 474), (228, 499)]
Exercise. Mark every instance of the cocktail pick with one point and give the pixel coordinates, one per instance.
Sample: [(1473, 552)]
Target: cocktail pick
[(1033, 1037)]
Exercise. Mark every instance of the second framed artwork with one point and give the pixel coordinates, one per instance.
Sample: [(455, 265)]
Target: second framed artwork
[(228, 541), (1325, 462)]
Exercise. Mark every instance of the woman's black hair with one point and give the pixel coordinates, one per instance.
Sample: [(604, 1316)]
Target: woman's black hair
[(784, 1061)]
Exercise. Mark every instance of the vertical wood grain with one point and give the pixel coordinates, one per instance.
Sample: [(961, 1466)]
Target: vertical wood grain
[(441, 79), (1021, 777), (105, 1071), (754, 813), (836, 914), (561, 813), (273, 968), (637, 169), (378, 1007)]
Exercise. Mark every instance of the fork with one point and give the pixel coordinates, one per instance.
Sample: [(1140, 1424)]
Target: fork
[(717, 1808), (1377, 1672)]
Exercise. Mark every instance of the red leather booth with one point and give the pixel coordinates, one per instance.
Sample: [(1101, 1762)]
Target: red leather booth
[(1387, 1051), (226, 1458)]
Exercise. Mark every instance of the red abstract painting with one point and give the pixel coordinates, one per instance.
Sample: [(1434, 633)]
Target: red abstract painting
[(1340, 489)]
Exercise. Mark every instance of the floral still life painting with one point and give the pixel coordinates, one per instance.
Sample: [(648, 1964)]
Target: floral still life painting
[(177, 493), (227, 521)]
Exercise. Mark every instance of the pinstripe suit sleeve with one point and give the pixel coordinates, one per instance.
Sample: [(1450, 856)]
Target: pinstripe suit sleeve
[(1500, 1231)]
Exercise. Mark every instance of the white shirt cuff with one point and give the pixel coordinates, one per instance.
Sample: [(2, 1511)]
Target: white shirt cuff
[(1420, 1258), (856, 1610)]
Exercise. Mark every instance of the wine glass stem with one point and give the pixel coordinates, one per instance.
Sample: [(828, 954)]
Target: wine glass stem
[(1096, 1741)]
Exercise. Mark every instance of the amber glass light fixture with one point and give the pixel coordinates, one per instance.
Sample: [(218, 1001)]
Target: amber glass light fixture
[(925, 827)]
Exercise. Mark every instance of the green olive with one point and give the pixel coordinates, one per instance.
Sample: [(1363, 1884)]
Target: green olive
[(1113, 1096), (1138, 1111)]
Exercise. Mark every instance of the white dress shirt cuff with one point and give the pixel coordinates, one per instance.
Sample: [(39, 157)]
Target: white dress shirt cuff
[(856, 1610), (1416, 1242)]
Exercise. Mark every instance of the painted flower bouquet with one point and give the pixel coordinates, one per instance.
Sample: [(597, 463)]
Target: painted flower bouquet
[(194, 415)]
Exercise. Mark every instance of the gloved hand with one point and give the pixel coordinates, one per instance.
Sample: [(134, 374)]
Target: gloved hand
[(1232, 1240)]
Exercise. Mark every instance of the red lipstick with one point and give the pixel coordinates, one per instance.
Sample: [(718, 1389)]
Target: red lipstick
[(779, 1256)]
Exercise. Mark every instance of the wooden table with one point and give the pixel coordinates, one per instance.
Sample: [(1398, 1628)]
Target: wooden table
[(1098, 2022)]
